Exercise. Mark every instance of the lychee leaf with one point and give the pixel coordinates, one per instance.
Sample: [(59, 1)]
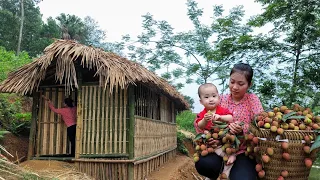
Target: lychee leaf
[(296, 117), (316, 144), (218, 122), (198, 136), (237, 141), (222, 126), (286, 116)]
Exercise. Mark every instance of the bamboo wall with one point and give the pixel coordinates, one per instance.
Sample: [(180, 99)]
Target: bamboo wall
[(51, 134), (153, 137), (104, 125)]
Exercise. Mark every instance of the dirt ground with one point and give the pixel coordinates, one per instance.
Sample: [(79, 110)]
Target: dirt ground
[(179, 168), (16, 146)]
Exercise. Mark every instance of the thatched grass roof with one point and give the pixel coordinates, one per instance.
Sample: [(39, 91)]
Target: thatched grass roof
[(113, 70)]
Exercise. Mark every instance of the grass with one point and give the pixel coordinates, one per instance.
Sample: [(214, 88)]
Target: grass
[(314, 172)]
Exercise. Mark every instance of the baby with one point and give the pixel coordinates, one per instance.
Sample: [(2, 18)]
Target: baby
[(212, 111)]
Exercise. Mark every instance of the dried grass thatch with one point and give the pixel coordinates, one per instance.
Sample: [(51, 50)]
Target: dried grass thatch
[(111, 69)]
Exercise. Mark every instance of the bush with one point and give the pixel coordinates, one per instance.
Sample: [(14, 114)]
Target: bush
[(185, 121), (10, 117), (181, 147)]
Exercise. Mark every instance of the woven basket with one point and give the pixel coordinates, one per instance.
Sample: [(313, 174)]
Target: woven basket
[(295, 166)]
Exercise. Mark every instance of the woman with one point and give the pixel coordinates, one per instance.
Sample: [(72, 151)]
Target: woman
[(69, 116), (243, 107)]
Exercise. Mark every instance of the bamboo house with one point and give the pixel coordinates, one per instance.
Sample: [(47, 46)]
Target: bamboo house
[(125, 113)]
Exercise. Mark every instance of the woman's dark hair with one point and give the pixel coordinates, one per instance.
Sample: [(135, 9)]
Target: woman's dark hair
[(68, 102), (245, 69)]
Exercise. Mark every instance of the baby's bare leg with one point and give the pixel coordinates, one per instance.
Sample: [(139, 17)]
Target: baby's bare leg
[(226, 170), (231, 159), (219, 152)]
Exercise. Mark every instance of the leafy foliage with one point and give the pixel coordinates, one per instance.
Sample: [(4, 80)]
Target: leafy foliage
[(293, 48), (196, 55), (9, 62), (180, 146), (185, 121)]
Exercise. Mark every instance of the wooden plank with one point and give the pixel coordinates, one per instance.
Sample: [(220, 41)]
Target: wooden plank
[(111, 127), (131, 130), (55, 120), (94, 120), (121, 128), (51, 127), (65, 143), (107, 128), (39, 126), (98, 131), (125, 129), (45, 128), (32, 135), (83, 108), (79, 127), (103, 127), (89, 143), (85, 120), (116, 121), (59, 126)]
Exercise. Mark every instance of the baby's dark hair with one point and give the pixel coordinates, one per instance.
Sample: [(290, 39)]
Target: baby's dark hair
[(245, 69), (68, 102), (205, 85)]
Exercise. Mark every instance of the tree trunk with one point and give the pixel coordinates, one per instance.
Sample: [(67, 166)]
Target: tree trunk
[(21, 26), (294, 80)]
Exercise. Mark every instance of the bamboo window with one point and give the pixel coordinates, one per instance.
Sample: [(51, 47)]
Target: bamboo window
[(147, 102), (167, 110), (104, 125)]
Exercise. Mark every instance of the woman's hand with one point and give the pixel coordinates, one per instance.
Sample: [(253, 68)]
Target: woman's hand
[(235, 128), (45, 98)]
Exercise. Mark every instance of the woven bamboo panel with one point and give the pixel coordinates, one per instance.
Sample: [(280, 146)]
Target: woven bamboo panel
[(51, 137), (143, 169), (104, 121), (153, 136), (104, 171)]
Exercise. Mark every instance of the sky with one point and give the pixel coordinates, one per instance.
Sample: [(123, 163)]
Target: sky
[(121, 17)]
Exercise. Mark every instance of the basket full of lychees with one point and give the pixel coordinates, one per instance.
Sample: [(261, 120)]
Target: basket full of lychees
[(286, 142)]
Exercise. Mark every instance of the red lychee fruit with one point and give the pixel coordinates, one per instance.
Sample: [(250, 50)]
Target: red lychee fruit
[(286, 156), (261, 174), (265, 158), (308, 163), (258, 167)]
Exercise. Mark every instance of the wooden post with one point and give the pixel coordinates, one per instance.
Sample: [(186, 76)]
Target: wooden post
[(131, 124), (35, 103), (79, 113)]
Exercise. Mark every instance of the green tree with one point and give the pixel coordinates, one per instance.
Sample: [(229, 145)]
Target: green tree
[(293, 44), (9, 62), (10, 26), (195, 55)]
